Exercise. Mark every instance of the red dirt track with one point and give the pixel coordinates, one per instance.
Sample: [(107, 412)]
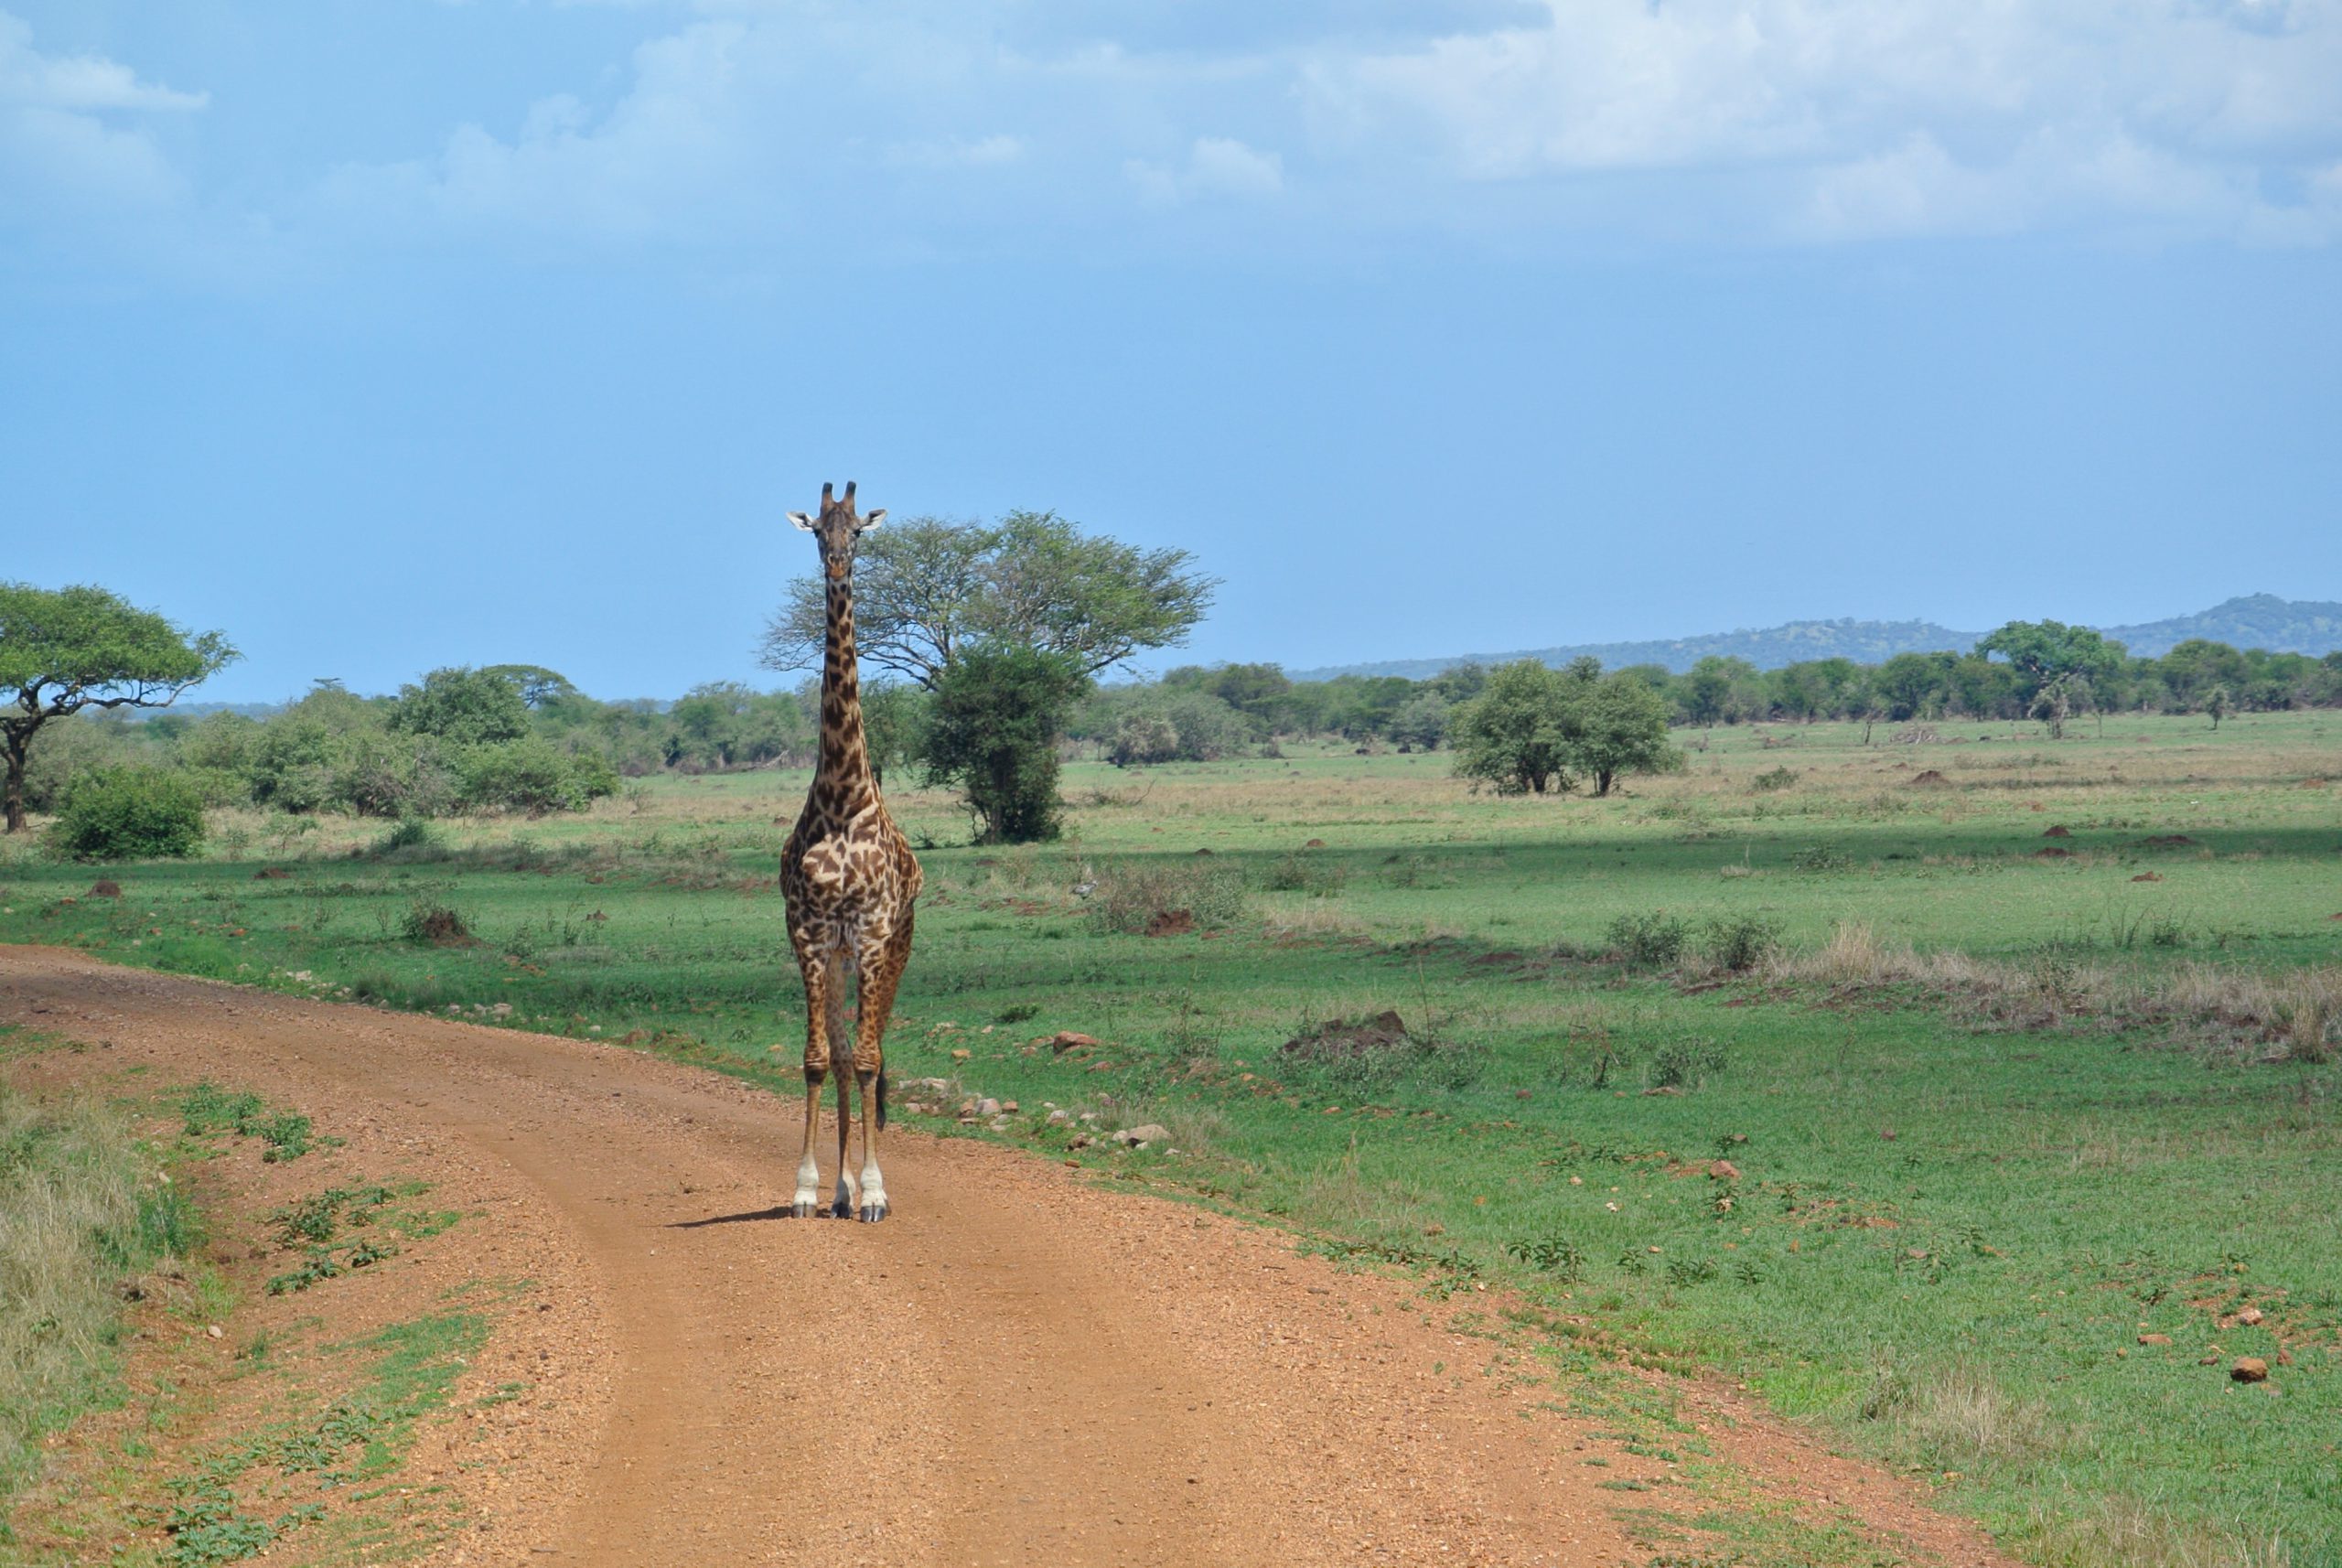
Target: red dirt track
[(1019, 1367)]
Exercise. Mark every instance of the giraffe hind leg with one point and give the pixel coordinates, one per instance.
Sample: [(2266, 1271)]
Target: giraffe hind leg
[(880, 973), (844, 1201)]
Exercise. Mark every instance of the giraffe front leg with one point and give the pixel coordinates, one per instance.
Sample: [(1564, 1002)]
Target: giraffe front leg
[(822, 998)]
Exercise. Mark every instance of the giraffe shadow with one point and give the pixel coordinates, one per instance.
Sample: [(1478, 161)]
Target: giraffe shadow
[(779, 1212)]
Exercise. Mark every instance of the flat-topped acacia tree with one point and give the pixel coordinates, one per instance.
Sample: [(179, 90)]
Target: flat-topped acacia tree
[(63, 649)]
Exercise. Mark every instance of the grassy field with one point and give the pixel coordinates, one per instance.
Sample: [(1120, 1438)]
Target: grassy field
[(1995, 1100)]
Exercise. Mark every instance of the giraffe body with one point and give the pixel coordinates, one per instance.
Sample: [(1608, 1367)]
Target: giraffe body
[(849, 881)]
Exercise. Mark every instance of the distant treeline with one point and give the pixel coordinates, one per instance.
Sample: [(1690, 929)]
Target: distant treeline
[(521, 737), (1196, 714)]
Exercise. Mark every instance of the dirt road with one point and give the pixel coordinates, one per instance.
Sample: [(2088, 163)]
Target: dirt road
[(1019, 1367)]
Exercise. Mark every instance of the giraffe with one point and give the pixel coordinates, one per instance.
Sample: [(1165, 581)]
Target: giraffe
[(849, 878)]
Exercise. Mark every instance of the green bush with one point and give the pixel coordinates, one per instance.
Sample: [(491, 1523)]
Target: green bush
[(1741, 941), (130, 813), (531, 775), (1311, 874), (992, 731), (1649, 942)]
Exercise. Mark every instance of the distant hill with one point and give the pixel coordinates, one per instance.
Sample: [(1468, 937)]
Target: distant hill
[(2257, 620)]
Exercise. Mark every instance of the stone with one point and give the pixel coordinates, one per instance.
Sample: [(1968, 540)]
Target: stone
[(1070, 1039), (988, 1106), (2250, 1315), (1059, 1118), (1153, 1132), (1723, 1170), (2250, 1370), (2154, 1338), (1009, 1105)]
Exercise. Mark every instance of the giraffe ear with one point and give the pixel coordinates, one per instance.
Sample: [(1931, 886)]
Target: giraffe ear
[(802, 521), (875, 518)]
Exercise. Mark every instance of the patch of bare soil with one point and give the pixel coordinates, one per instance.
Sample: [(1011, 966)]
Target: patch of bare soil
[(2167, 841), (1171, 923), (1930, 780), (1020, 1366)]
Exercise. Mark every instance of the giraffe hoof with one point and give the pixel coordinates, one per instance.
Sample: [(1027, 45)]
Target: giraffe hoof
[(805, 1209), (839, 1210), (873, 1212)]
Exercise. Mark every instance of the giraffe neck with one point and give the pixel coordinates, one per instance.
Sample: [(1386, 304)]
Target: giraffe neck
[(846, 755)]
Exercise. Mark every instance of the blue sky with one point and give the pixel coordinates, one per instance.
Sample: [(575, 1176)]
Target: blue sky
[(385, 333)]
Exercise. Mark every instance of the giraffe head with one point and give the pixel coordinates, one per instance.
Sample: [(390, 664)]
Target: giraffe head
[(836, 530)]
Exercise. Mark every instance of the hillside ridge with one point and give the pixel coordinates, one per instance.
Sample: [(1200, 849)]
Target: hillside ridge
[(2248, 620)]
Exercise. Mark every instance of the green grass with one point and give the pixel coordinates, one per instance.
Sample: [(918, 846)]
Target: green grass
[(85, 1208), (217, 1515), (1958, 1201)]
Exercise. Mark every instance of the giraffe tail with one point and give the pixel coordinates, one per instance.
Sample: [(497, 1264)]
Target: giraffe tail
[(882, 1100)]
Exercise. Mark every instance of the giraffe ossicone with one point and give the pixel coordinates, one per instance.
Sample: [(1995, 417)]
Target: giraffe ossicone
[(849, 881)]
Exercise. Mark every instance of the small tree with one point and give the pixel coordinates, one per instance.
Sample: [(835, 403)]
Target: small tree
[(992, 732), (1513, 735), (463, 706), (64, 650), (1419, 725), (1620, 725)]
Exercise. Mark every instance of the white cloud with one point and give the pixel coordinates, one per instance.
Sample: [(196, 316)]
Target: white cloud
[(61, 159), (31, 79), (1915, 116), (1810, 121), (957, 152), (1215, 167)]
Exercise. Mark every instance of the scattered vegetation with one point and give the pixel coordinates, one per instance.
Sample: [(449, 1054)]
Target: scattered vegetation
[(83, 1210), (210, 1110)]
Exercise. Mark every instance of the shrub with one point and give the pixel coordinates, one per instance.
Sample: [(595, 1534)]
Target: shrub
[(1741, 941), (437, 926), (1649, 942), (1315, 875), (1143, 738), (1132, 896), (1778, 779), (130, 813), (531, 775), (1686, 1063)]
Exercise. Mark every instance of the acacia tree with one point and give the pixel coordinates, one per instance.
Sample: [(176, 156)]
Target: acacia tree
[(2045, 651), (924, 590), (64, 650)]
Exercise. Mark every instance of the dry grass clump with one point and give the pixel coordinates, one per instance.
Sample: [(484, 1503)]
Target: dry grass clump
[(1956, 1418), (1132, 896), (2119, 1531), (2297, 1011), (71, 1225)]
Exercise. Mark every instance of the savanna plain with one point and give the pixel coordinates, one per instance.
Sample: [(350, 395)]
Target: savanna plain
[(1968, 1095)]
